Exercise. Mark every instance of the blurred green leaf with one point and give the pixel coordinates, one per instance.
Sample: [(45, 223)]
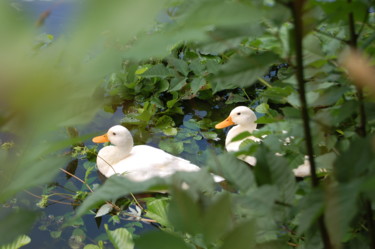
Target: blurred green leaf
[(15, 223), (241, 237), (159, 70), (243, 71), (160, 239), (157, 210), (121, 238), (115, 187), (234, 170), (17, 243)]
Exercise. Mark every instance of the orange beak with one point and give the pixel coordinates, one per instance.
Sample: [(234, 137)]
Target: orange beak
[(101, 139), (224, 123)]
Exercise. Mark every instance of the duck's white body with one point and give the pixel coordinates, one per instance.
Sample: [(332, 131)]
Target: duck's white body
[(137, 163), (244, 120)]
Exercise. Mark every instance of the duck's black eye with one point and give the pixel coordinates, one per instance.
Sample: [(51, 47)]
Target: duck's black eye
[(114, 133), (238, 113)]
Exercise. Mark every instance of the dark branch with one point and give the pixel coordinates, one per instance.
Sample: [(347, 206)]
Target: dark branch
[(297, 10)]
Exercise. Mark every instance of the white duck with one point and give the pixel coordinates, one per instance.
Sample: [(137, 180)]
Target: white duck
[(244, 120), (137, 163)]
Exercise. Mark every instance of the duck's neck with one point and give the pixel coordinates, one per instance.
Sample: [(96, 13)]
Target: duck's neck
[(238, 129)]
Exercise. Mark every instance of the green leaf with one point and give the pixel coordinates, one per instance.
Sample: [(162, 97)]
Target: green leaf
[(159, 70), (311, 207), (173, 147), (157, 210), (180, 65), (19, 242), (340, 208), (356, 162), (160, 239), (15, 223), (184, 213), (241, 136), (115, 187), (243, 71), (91, 246), (234, 170), (241, 237), (196, 84), (120, 238), (275, 170), (217, 218), (177, 83), (262, 108)]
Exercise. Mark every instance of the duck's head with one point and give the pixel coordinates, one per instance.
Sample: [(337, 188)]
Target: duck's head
[(118, 135), (241, 115)]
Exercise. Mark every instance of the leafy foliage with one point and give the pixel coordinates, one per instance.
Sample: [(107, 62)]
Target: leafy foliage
[(178, 78)]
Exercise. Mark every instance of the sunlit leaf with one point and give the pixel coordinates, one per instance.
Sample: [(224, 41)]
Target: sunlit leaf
[(19, 242), (104, 209)]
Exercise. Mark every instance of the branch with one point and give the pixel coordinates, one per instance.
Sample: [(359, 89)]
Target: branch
[(297, 10)]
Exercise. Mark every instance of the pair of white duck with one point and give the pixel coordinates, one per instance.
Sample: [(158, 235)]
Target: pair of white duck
[(142, 162)]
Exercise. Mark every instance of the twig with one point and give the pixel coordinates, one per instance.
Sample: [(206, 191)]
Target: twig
[(362, 126), (52, 200), (247, 96), (79, 179), (135, 199), (264, 82), (297, 13), (139, 218)]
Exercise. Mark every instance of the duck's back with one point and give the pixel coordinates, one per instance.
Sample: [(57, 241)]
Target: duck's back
[(145, 162)]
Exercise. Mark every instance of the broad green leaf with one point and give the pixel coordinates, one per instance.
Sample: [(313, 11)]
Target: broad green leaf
[(91, 246), (177, 83), (340, 208), (262, 108), (234, 170), (184, 213), (243, 236), (196, 84), (157, 210), (356, 162), (160, 239), (159, 70), (121, 238), (21, 241), (272, 169), (311, 207), (179, 65), (217, 218), (173, 147), (241, 136), (15, 223), (243, 71)]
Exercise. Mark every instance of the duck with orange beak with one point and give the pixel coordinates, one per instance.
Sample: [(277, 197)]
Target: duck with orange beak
[(243, 119), (140, 162)]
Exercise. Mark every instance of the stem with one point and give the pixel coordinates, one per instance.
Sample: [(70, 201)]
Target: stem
[(264, 82), (362, 126), (297, 12), (79, 179)]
